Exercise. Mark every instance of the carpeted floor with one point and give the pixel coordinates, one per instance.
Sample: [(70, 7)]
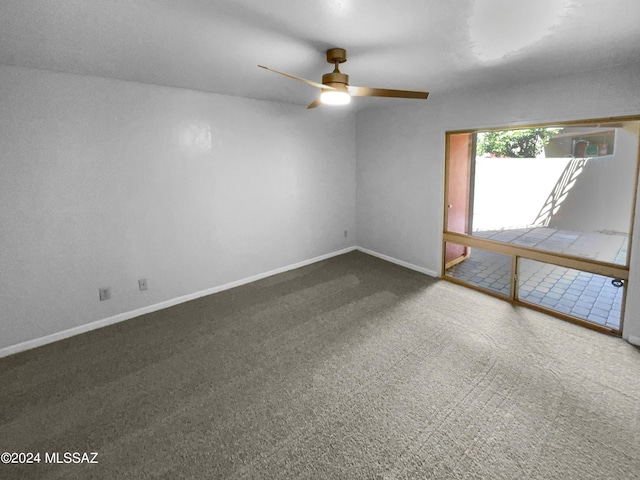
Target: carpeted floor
[(349, 368)]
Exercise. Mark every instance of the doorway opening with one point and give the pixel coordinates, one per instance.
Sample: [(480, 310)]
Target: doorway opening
[(542, 215)]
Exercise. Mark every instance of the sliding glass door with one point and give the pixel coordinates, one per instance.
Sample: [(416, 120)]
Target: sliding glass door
[(542, 215)]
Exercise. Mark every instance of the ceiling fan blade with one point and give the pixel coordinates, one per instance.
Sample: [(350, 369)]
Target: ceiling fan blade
[(385, 92), (314, 104), (303, 80)]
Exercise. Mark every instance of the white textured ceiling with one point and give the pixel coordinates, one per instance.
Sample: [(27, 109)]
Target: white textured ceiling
[(215, 45)]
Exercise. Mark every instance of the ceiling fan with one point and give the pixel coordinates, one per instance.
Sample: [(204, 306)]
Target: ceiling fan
[(335, 85)]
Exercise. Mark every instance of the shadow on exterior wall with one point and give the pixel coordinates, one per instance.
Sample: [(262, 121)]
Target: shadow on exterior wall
[(560, 191)]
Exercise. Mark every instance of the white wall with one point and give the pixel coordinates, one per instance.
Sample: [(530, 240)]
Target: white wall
[(104, 182), (400, 157), (509, 192)]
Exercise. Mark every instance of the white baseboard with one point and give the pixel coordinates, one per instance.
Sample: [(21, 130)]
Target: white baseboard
[(633, 340), (54, 337), (402, 263)]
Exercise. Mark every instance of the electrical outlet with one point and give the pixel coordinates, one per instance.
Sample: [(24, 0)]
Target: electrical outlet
[(142, 284), (105, 293)]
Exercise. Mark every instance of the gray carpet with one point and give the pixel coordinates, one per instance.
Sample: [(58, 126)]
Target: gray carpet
[(348, 368)]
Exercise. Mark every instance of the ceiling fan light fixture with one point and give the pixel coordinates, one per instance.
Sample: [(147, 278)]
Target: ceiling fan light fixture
[(335, 97), (335, 85)]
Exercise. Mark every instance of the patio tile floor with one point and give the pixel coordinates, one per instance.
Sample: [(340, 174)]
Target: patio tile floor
[(605, 246), (584, 295)]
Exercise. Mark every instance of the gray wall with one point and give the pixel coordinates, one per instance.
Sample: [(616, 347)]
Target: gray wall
[(104, 182), (400, 158)]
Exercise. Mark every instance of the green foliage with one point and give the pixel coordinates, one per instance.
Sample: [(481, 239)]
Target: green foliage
[(526, 143)]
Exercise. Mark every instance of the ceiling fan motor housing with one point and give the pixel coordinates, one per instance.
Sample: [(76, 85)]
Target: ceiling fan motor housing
[(337, 80)]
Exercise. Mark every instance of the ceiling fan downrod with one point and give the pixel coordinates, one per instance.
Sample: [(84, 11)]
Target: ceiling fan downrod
[(336, 56)]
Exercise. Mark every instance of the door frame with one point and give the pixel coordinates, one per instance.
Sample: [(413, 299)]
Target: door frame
[(464, 156)]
